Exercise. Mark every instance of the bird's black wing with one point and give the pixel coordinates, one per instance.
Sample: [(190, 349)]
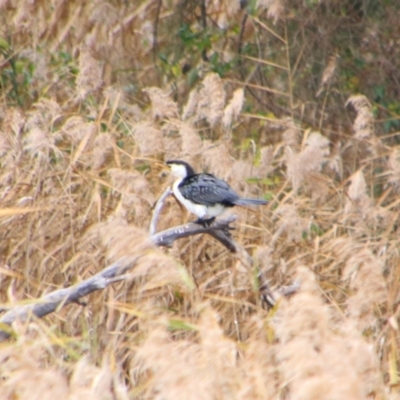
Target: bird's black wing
[(208, 190)]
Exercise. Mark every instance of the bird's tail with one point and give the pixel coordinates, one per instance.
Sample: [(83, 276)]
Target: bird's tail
[(250, 202)]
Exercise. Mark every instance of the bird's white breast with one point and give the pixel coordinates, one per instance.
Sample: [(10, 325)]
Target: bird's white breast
[(200, 210)]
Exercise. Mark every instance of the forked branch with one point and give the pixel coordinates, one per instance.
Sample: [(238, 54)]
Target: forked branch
[(218, 229)]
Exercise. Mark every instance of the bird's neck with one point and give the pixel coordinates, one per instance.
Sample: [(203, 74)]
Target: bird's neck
[(189, 171), (177, 183)]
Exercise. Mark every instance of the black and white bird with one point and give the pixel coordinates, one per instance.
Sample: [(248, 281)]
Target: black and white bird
[(203, 194)]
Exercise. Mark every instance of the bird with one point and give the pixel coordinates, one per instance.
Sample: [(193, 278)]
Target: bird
[(203, 194)]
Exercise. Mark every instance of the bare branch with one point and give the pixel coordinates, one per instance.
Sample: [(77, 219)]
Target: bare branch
[(60, 298), (157, 210), (288, 290), (219, 229)]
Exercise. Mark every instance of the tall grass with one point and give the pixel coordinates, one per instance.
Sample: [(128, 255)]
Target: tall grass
[(83, 153)]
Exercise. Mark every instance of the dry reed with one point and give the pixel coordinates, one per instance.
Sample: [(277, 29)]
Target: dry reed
[(188, 322)]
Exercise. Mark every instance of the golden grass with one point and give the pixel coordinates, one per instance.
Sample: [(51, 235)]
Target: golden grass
[(81, 168)]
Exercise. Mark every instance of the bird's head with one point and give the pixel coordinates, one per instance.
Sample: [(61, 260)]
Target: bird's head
[(180, 169)]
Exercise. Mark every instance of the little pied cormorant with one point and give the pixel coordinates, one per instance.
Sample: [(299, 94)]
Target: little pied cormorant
[(203, 194)]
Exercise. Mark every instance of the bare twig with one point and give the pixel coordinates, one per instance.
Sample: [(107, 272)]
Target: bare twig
[(155, 33), (270, 296), (288, 290), (203, 8), (157, 209)]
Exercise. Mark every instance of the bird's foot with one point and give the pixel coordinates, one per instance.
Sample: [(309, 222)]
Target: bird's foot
[(205, 223)]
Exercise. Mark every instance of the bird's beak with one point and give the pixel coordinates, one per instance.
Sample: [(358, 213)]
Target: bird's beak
[(165, 169), (161, 165)]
